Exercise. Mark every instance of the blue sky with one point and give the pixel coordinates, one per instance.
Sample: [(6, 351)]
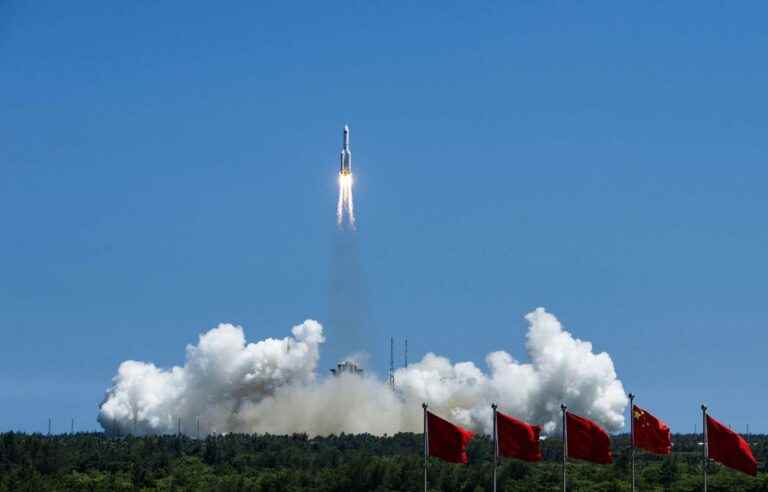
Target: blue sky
[(169, 167)]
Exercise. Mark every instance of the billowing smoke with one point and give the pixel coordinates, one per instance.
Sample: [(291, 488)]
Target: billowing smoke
[(272, 386), (222, 376), (562, 369)]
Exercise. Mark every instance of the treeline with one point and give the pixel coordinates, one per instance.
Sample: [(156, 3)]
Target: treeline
[(345, 463)]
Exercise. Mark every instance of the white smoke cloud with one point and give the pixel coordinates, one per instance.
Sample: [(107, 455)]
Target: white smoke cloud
[(562, 369), (272, 386), (222, 374)]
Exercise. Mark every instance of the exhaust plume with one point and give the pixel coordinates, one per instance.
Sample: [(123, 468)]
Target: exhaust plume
[(272, 386), (346, 202)]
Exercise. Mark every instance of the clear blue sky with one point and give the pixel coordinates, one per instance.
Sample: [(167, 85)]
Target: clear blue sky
[(169, 166)]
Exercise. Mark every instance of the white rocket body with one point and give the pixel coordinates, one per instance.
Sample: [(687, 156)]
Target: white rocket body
[(345, 167)]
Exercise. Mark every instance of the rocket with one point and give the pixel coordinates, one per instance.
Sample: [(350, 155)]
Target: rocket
[(346, 156), (345, 184)]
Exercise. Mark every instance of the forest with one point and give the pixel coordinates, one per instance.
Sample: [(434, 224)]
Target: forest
[(342, 463)]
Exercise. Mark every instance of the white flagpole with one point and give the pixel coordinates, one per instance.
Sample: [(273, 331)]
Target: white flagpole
[(426, 445), (705, 454), (632, 435), (565, 448), (495, 446)]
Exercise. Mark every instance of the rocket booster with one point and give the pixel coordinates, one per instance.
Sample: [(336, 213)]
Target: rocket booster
[(345, 167), (345, 202)]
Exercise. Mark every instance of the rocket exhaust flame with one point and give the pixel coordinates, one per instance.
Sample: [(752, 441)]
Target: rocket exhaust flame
[(346, 202)]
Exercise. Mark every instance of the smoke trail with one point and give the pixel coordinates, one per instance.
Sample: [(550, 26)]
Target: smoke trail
[(348, 306), (272, 386)]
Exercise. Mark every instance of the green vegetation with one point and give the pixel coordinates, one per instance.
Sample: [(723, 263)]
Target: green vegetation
[(346, 463)]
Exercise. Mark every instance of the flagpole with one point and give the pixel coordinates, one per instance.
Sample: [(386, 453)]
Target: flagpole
[(495, 446), (426, 445), (565, 447), (632, 435), (705, 453)]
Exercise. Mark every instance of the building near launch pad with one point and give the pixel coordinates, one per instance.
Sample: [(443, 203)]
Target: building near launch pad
[(347, 367)]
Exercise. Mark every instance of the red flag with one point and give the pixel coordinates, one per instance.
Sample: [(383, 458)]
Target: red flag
[(516, 439), (447, 441), (651, 434), (729, 448), (586, 440)]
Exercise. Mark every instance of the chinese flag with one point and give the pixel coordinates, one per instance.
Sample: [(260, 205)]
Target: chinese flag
[(651, 434), (586, 440), (447, 441), (729, 448), (516, 439)]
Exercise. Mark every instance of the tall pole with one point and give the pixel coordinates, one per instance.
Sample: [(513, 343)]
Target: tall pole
[(495, 446), (705, 453), (632, 435), (392, 362), (565, 448), (49, 426), (72, 426), (748, 437), (426, 445)]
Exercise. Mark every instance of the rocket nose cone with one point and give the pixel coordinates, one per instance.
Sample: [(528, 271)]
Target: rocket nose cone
[(346, 129)]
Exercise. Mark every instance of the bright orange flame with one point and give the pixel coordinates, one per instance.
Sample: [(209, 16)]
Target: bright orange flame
[(346, 202)]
